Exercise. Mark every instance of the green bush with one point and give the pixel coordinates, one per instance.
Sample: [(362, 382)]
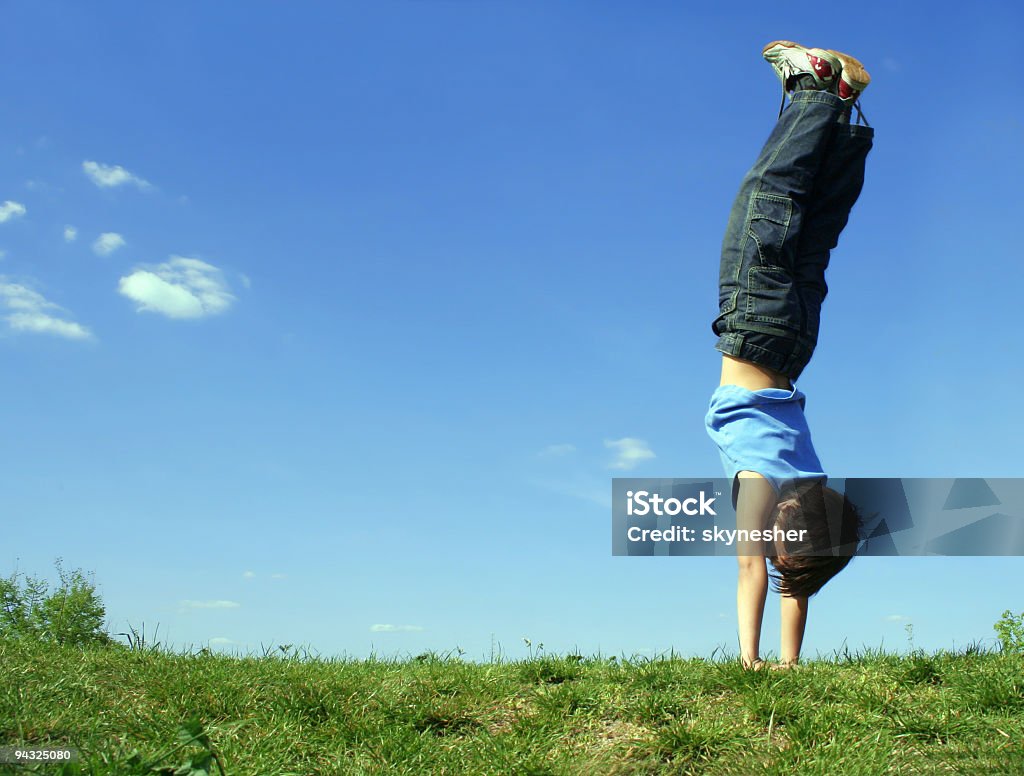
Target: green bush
[(1010, 630), (72, 614)]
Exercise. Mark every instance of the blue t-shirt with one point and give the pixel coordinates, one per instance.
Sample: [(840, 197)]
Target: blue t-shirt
[(763, 431)]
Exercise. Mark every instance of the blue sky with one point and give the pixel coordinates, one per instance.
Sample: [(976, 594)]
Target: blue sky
[(358, 299)]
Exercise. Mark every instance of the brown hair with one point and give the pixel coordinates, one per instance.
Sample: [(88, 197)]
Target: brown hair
[(830, 526)]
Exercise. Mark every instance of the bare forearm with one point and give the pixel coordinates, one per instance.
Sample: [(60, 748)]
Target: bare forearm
[(755, 501), (794, 621), (751, 591)]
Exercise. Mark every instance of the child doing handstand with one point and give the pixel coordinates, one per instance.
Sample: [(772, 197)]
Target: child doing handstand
[(786, 219)]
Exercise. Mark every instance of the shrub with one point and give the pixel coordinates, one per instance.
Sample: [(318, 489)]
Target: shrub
[(1010, 630), (72, 614)]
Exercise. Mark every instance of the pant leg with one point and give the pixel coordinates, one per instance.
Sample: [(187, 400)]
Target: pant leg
[(762, 317), (840, 180)]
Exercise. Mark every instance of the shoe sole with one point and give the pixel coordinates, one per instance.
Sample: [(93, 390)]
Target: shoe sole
[(853, 71), (780, 44)]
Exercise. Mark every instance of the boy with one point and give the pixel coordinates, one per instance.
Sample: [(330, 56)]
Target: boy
[(787, 217)]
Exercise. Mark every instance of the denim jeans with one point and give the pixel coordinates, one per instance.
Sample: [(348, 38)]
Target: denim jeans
[(787, 217)]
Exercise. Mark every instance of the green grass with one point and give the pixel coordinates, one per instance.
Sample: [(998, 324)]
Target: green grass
[(125, 710)]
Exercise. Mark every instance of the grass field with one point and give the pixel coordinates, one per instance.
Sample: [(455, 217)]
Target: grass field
[(153, 711)]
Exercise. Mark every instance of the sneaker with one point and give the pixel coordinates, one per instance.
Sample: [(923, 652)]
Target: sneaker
[(791, 60), (854, 78)]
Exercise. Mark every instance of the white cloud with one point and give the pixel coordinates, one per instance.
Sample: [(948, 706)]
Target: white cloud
[(11, 209), (209, 604), (179, 288), (249, 575), (895, 617), (552, 451), (110, 175), (107, 243), (70, 233), (628, 452), (29, 311), (394, 628), (40, 323), (220, 641)]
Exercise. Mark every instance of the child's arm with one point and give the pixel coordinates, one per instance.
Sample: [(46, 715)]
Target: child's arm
[(754, 504), (751, 591), (794, 619)]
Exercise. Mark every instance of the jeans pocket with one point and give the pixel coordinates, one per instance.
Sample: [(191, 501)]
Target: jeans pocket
[(772, 298), (768, 225)]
